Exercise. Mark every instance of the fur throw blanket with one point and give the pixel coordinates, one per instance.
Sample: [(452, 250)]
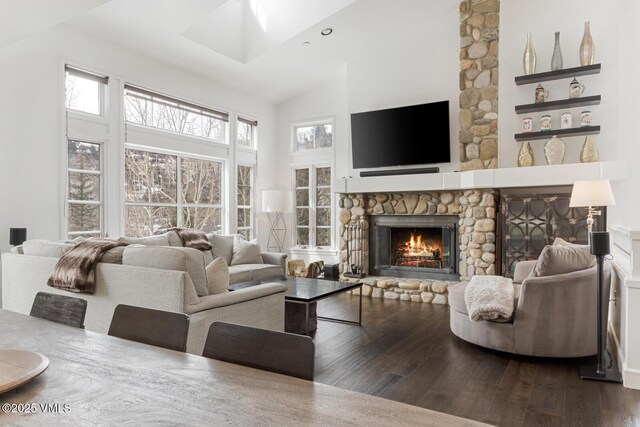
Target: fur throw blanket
[(75, 270), (192, 238), (489, 298)]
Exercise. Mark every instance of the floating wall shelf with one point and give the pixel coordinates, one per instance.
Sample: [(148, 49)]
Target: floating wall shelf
[(559, 105), (558, 74), (547, 134)]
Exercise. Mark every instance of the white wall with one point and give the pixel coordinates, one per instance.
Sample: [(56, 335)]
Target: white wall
[(31, 121)]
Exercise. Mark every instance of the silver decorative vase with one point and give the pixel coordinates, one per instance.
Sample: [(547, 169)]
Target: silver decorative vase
[(529, 57), (589, 151), (587, 48), (554, 150), (525, 156), (556, 58)]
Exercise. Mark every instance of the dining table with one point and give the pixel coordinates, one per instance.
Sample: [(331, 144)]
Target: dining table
[(97, 379)]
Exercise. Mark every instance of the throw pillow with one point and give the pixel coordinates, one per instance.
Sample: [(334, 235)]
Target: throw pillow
[(561, 259), (218, 276), (246, 252)]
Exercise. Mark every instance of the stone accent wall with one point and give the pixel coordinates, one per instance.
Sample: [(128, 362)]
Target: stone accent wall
[(476, 233), (424, 291), (479, 34)]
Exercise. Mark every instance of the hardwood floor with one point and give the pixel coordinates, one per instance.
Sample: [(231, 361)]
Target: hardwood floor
[(405, 352)]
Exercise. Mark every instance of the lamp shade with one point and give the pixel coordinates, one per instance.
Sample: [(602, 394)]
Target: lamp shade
[(591, 193), (276, 201), (17, 236)]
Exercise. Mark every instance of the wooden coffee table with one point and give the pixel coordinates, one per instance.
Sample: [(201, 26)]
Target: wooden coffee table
[(301, 298)]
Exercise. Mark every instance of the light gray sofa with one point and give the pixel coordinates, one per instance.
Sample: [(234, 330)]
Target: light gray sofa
[(554, 315), (126, 276)]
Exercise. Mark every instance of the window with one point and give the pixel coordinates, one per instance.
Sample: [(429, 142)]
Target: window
[(84, 189), (150, 109), (84, 90), (313, 207), (169, 190), (245, 201), (316, 136), (246, 135)]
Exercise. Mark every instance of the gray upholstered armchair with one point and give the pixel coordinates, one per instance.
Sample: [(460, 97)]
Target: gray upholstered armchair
[(554, 314)]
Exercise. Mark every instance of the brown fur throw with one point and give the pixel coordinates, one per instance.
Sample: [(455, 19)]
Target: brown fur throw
[(195, 239), (75, 270)]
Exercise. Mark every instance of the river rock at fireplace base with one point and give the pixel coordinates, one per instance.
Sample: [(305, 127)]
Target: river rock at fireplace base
[(391, 295), (370, 281), (440, 299), (416, 298), (425, 286), (409, 284), (377, 293), (439, 287), (405, 297), (386, 283), (427, 297)]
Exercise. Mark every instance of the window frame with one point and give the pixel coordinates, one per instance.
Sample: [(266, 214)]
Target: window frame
[(103, 85), (311, 123), (251, 207), (313, 190)]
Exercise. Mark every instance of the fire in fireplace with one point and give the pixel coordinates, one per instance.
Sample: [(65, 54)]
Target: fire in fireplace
[(414, 246)]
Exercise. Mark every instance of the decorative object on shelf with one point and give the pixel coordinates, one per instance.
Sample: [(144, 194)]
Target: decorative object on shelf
[(575, 89), (587, 48), (529, 57), (556, 58), (585, 118), (525, 156), (541, 94), (527, 125), (276, 202), (545, 122), (565, 120), (554, 150), (17, 236), (589, 151)]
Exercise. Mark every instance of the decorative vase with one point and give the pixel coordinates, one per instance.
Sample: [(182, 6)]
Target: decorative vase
[(525, 156), (589, 152), (556, 58), (554, 151), (529, 57), (587, 48)]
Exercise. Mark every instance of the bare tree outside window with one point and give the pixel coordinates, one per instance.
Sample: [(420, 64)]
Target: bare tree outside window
[(244, 201), (84, 189), (317, 136)]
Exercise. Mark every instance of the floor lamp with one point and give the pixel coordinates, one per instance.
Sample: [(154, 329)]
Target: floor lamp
[(590, 194), (276, 203)]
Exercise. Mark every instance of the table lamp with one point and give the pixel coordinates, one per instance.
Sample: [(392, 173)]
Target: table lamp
[(17, 236), (276, 203), (590, 194)]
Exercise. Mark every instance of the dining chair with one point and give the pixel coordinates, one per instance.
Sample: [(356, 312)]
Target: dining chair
[(148, 326), (273, 351), (60, 309)]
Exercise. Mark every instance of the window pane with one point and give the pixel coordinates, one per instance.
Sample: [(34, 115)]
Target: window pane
[(150, 177), (302, 177), (201, 181), (323, 237), (323, 216), (302, 216), (148, 220), (205, 219), (323, 176), (84, 156), (244, 175), (213, 128), (84, 217), (323, 197), (84, 186), (244, 217), (244, 196), (302, 197), (302, 236), (245, 233), (323, 136), (82, 94), (137, 110), (304, 138), (245, 134)]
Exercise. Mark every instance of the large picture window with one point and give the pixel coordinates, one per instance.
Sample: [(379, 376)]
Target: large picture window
[(169, 190), (146, 108), (245, 201), (84, 189), (313, 207)]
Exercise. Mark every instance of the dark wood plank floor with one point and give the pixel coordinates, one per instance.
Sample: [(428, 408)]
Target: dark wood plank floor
[(405, 352)]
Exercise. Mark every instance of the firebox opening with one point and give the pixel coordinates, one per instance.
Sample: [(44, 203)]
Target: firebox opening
[(416, 247)]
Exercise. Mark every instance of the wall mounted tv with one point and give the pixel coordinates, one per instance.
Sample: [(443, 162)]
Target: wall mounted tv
[(411, 135)]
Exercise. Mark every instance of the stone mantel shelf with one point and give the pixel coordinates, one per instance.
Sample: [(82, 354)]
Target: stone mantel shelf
[(535, 176)]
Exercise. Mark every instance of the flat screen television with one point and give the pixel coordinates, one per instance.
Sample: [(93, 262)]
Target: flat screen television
[(411, 135)]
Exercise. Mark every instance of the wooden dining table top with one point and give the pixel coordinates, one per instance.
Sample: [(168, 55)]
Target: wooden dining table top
[(96, 379)]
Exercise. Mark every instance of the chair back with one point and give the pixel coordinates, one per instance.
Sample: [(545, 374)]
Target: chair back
[(60, 309), (273, 351), (148, 326)]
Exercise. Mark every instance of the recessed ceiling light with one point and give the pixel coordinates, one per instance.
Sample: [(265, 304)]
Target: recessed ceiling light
[(306, 43), (326, 31)]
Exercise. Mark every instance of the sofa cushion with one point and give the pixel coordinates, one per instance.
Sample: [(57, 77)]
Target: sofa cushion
[(221, 246), (561, 259), (161, 240), (46, 248), (174, 239), (456, 297), (170, 258), (238, 274), (217, 276), (246, 252), (113, 256), (264, 271)]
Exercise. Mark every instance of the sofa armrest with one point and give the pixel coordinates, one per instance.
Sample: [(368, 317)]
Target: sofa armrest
[(241, 295), (276, 258), (523, 270)]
